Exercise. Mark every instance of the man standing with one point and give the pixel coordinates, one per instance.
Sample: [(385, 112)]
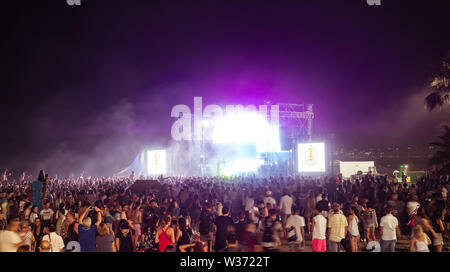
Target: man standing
[(47, 214), (86, 231), (285, 205), (270, 199), (223, 225), (388, 231), (56, 241), (10, 241), (337, 229), (295, 226), (319, 228), (206, 226)]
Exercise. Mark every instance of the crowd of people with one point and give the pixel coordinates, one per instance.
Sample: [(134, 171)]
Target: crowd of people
[(218, 214)]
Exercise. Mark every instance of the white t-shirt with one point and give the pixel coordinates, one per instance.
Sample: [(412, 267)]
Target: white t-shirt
[(286, 204), (320, 227), (252, 214), (249, 202), (8, 241), (271, 200), (389, 224), (297, 221), (57, 242), (33, 217), (47, 214)]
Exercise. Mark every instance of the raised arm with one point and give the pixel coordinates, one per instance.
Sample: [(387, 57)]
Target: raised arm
[(99, 217)]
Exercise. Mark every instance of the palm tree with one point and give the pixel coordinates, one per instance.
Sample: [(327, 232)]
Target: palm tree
[(439, 87), (441, 159)]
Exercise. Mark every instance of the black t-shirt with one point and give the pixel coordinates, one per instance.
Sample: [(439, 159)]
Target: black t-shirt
[(185, 237), (125, 243), (206, 223), (222, 223)]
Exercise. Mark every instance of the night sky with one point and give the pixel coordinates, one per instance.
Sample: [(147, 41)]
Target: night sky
[(86, 88)]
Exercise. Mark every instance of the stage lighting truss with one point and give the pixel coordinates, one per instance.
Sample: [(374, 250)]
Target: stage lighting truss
[(299, 117)]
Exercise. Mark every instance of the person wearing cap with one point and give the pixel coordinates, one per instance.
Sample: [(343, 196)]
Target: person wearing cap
[(337, 228)]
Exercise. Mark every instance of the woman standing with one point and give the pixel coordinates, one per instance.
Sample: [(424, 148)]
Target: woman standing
[(165, 235), (34, 214), (186, 233), (420, 240), (353, 231), (38, 232), (370, 223), (310, 206), (436, 227), (124, 237), (105, 240)]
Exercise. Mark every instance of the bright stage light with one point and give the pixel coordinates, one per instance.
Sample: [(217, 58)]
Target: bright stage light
[(247, 127), (240, 166), (156, 162), (311, 157)]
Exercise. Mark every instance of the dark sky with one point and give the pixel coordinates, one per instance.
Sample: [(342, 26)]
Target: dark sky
[(87, 87)]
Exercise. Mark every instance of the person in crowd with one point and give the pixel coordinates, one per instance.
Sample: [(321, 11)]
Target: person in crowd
[(10, 240), (68, 229), (165, 235), (319, 229), (337, 229), (47, 214), (323, 205), (125, 236), (24, 248), (87, 231), (272, 231), (370, 222), (105, 241), (56, 241), (224, 226), (389, 230), (59, 222), (249, 239), (295, 228), (269, 199), (186, 233), (420, 240), (286, 202), (206, 226), (33, 214), (353, 230), (25, 232), (309, 210), (232, 244), (44, 247)]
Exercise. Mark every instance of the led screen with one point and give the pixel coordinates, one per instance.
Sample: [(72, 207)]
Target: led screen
[(156, 162), (311, 157)]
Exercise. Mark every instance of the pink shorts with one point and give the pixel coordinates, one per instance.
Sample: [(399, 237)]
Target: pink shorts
[(319, 245)]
